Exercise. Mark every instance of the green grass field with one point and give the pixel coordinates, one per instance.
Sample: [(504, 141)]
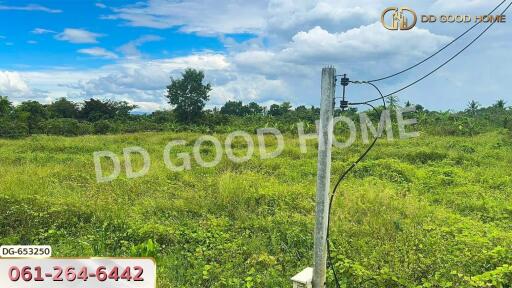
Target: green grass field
[(424, 212)]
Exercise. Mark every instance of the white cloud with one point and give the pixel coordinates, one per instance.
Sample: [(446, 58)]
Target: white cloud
[(30, 7), (130, 49), (248, 88), (78, 36), (275, 19), (16, 87), (148, 106), (286, 17), (360, 49), (266, 17), (360, 44), (32, 42), (464, 5), (11, 83), (271, 64), (100, 5), (54, 81), (201, 16), (99, 52), (42, 31), (148, 75)]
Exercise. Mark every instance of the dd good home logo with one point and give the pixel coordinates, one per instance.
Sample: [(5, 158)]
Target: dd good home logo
[(402, 18)]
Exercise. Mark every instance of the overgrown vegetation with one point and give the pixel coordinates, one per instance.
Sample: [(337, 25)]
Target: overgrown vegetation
[(425, 212), (188, 96), (95, 116)]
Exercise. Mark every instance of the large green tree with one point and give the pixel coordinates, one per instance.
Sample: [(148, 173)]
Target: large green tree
[(34, 113), (95, 109), (63, 108), (188, 95), (234, 108), (254, 109), (279, 110)]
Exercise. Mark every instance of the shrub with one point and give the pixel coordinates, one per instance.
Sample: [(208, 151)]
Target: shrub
[(64, 126), (13, 129), (67, 127), (390, 170), (85, 128), (105, 127), (141, 126), (425, 156), (162, 117)]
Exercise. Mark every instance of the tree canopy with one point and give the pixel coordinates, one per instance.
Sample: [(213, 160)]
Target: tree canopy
[(188, 95), (63, 108)]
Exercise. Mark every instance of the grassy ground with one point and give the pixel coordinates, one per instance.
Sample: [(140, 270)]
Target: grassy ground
[(424, 212)]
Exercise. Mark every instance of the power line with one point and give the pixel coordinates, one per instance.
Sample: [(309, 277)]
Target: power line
[(437, 52), (437, 68), (344, 174), (382, 97)]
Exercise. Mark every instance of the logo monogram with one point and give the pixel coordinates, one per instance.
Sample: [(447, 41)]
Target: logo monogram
[(400, 20)]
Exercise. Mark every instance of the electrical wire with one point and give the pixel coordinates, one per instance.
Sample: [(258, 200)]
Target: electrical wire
[(438, 67), (345, 173), (382, 97), (437, 52)]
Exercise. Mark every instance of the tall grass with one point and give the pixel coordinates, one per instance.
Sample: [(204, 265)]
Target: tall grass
[(426, 212)]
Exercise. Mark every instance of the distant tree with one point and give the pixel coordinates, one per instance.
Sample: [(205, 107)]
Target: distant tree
[(163, 116), (95, 110), (63, 108), (6, 107), (500, 104), (286, 107), (304, 113), (188, 95), (33, 113), (234, 108), (393, 101), (254, 109), (302, 109), (274, 110), (278, 110), (121, 109), (473, 106)]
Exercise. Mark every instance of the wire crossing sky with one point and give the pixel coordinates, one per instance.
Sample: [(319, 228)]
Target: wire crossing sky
[(269, 51)]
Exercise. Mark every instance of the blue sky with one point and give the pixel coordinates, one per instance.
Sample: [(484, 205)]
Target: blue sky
[(265, 51), (25, 47)]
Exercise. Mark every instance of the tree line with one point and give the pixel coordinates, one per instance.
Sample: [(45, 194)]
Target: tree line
[(188, 96)]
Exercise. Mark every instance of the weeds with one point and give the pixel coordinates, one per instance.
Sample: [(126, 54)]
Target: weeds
[(426, 212)]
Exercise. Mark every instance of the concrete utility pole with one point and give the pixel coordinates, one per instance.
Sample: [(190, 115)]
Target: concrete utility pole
[(324, 175)]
